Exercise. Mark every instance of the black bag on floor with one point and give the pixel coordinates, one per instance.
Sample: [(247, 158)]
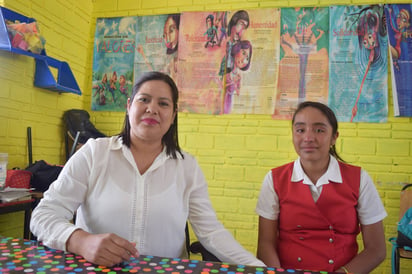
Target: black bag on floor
[(43, 174)]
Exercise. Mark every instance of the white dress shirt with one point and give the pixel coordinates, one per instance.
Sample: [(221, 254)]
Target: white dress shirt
[(103, 184), (370, 208)]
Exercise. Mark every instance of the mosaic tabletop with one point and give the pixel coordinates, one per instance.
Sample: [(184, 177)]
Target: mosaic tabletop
[(25, 256)]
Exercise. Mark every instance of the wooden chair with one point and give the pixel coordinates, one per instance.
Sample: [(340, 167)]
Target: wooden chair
[(399, 252)]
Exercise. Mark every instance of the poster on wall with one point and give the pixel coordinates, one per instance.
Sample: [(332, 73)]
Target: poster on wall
[(252, 58), (114, 50), (157, 40), (398, 21), (358, 88), (303, 65), (202, 47)]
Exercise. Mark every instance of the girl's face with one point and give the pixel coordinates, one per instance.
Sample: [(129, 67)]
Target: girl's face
[(170, 33), (312, 135), (151, 112), (122, 80), (237, 30), (242, 58)]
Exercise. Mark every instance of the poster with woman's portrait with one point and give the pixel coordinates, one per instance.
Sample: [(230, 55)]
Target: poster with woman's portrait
[(358, 84), (157, 42), (202, 48), (398, 23)]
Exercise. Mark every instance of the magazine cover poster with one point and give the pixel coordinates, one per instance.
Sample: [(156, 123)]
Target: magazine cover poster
[(358, 89), (252, 54), (304, 59), (114, 50), (398, 21), (201, 66), (157, 41)]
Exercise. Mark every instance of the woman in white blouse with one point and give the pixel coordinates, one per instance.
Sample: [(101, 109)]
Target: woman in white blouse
[(133, 193)]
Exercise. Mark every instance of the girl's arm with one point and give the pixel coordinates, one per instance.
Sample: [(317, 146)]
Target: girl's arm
[(267, 242), (374, 251)]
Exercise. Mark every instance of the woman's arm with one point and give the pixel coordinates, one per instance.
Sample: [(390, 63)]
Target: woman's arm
[(208, 229), (102, 249), (374, 251), (267, 242)]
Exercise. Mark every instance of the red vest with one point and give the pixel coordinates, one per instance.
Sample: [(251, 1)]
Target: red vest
[(321, 235)]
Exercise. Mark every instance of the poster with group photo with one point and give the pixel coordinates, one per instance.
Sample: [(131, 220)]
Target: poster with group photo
[(303, 65), (398, 21), (202, 48), (114, 50), (358, 90), (157, 41), (252, 55)]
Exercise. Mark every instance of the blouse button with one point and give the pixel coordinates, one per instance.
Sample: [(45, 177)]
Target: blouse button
[(331, 262), (299, 226), (299, 259), (330, 227), (301, 238), (330, 240)]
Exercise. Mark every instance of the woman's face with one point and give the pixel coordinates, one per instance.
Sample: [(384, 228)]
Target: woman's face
[(402, 21), (208, 22), (170, 33), (312, 135), (369, 40), (242, 58), (237, 30), (151, 112)]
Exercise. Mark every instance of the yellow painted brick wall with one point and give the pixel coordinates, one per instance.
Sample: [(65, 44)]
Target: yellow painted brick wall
[(234, 151)]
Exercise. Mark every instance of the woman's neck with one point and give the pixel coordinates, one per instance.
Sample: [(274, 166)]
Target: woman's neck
[(144, 154)]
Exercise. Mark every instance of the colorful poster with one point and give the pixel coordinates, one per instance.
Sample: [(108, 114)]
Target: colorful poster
[(358, 90), (114, 50), (157, 41), (303, 65), (398, 21), (202, 46), (252, 55)]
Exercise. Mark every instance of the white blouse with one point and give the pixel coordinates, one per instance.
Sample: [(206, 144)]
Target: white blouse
[(103, 185)]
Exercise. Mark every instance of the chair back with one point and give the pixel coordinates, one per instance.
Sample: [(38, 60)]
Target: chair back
[(405, 200)]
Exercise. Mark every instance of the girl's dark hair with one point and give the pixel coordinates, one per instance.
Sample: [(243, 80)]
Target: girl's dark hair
[(241, 14), (170, 139), (330, 115)]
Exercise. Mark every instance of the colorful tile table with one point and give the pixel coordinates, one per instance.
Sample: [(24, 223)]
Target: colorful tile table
[(25, 256)]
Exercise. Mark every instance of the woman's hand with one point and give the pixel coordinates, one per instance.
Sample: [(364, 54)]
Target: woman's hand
[(101, 249)]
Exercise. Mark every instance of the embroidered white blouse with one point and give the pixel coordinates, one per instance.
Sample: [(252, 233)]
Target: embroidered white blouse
[(102, 184)]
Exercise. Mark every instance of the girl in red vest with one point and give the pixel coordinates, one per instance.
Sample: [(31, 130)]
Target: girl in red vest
[(311, 210)]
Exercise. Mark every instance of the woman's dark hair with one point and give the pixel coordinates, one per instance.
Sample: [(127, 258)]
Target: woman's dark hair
[(241, 14), (170, 139), (330, 115)]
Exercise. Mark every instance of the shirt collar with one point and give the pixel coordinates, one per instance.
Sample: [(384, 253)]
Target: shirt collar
[(332, 173), (117, 143)]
